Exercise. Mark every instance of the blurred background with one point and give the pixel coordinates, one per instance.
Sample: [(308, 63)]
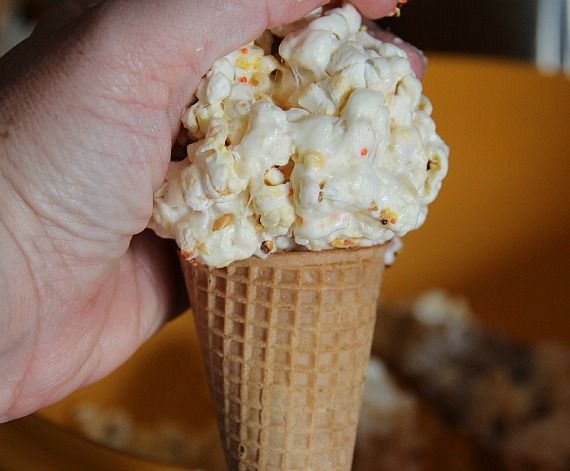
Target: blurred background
[(479, 379), (531, 30)]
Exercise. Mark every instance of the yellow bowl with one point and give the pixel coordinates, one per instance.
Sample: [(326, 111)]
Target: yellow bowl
[(498, 235)]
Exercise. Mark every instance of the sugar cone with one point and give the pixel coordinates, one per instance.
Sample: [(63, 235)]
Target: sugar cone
[(285, 343)]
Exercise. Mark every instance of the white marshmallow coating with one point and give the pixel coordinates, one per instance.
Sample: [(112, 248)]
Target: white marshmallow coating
[(328, 144)]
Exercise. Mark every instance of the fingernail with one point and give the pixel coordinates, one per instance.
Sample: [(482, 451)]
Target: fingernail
[(397, 10), (394, 12)]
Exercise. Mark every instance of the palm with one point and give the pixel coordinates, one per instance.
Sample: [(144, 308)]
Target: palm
[(107, 290)]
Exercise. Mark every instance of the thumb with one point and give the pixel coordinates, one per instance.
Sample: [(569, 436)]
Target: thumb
[(175, 42)]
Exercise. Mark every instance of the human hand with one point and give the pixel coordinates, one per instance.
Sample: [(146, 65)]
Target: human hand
[(90, 106)]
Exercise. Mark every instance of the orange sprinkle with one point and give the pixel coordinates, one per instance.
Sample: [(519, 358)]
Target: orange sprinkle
[(291, 191), (188, 256), (243, 79), (301, 221), (364, 152), (244, 50)]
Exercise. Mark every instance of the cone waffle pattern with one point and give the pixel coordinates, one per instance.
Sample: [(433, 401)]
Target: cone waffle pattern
[(285, 343)]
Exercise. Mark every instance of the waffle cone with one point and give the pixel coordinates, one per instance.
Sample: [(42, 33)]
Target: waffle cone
[(285, 343)]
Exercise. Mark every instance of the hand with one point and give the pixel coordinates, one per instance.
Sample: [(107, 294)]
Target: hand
[(89, 107)]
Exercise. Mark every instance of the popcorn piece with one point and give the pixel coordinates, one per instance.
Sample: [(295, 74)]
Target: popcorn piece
[(273, 176)]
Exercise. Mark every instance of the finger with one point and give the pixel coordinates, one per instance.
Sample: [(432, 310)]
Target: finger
[(176, 41), (415, 56), (374, 9)]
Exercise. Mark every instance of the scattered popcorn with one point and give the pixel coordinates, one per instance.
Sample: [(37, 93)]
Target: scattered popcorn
[(385, 406), (512, 398), (163, 442), (389, 420), (389, 434)]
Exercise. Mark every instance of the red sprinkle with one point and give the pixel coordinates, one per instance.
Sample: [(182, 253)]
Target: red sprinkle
[(244, 50), (243, 79), (364, 152), (291, 191), (188, 256)]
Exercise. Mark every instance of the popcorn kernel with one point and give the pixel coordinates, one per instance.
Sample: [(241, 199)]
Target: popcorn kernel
[(268, 246), (387, 216), (223, 222), (344, 243)]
